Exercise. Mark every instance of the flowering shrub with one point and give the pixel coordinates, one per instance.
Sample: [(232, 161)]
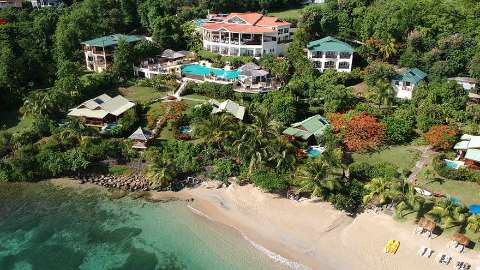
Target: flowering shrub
[(441, 137), (360, 131)]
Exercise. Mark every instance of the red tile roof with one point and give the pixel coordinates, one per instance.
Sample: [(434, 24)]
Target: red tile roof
[(255, 23)]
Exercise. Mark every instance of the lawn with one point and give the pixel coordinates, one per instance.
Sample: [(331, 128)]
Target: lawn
[(294, 13), (404, 156), (141, 94), (467, 192), (13, 122)]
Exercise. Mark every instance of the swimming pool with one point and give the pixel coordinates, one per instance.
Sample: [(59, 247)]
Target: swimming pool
[(199, 70), (474, 208), (452, 165), (313, 153), (185, 129)]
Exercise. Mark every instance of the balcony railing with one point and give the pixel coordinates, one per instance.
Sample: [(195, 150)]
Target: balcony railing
[(236, 42)]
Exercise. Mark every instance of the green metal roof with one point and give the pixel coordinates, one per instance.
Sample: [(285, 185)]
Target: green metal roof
[(473, 154), (330, 44), (412, 75), (111, 40), (314, 125)]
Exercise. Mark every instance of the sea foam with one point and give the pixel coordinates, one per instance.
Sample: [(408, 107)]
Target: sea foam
[(272, 255)]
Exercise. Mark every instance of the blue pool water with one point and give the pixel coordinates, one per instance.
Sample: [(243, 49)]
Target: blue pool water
[(185, 129), (313, 153), (451, 165), (199, 70), (474, 208)]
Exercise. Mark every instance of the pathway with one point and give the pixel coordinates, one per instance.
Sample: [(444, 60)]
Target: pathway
[(425, 159), (180, 90)]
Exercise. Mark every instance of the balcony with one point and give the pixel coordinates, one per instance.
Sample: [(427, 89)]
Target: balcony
[(329, 55), (345, 55)]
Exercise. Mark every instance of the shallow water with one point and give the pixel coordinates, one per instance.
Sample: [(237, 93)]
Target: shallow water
[(46, 227)]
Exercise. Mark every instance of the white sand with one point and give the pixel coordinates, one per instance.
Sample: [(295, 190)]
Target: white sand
[(318, 236)]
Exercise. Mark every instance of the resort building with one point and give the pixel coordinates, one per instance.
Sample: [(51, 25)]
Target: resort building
[(406, 81), (468, 149), (245, 34), (310, 129), (99, 52), (140, 138), (253, 79), (102, 110), (170, 62), (469, 84), (228, 106), (44, 3), (10, 3), (331, 53)]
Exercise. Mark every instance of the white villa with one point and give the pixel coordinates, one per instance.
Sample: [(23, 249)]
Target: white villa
[(44, 3), (10, 3), (245, 34), (99, 52), (467, 83), (102, 110), (228, 106), (406, 81), (331, 53), (170, 62)]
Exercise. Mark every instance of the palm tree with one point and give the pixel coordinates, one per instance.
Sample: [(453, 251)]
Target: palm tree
[(383, 93), (317, 178), (216, 128), (473, 223), (410, 201), (388, 49), (254, 143), (382, 191), (161, 172), (448, 214), (282, 153)]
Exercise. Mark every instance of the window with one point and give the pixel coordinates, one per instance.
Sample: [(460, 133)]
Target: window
[(397, 83), (407, 84), (329, 64), (331, 55), (345, 55), (237, 20), (344, 65)]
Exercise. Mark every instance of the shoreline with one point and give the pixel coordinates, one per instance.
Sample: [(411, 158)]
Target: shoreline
[(311, 234)]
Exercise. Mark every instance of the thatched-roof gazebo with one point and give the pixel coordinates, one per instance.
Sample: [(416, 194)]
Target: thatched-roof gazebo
[(425, 225), (461, 239)]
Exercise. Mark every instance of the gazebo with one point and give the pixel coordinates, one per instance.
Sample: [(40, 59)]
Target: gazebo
[(425, 226), (252, 76), (140, 138), (459, 242)]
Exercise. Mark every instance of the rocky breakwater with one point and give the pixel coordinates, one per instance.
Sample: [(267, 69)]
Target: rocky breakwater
[(134, 182)]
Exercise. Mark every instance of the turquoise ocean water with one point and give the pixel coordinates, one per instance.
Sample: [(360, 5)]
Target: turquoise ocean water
[(46, 227)]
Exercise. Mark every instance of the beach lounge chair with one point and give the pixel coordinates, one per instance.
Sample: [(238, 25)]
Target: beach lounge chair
[(459, 248), (422, 251), (428, 253), (443, 258), (459, 265), (453, 244)]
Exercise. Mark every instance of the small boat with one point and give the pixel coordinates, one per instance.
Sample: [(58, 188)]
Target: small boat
[(392, 246)]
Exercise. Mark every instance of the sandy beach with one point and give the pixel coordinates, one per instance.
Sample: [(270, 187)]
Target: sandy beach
[(312, 234), (318, 236)]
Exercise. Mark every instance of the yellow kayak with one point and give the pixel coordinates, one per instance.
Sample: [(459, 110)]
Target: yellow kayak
[(392, 246)]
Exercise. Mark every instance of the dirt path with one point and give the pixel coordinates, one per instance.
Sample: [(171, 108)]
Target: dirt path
[(425, 159)]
